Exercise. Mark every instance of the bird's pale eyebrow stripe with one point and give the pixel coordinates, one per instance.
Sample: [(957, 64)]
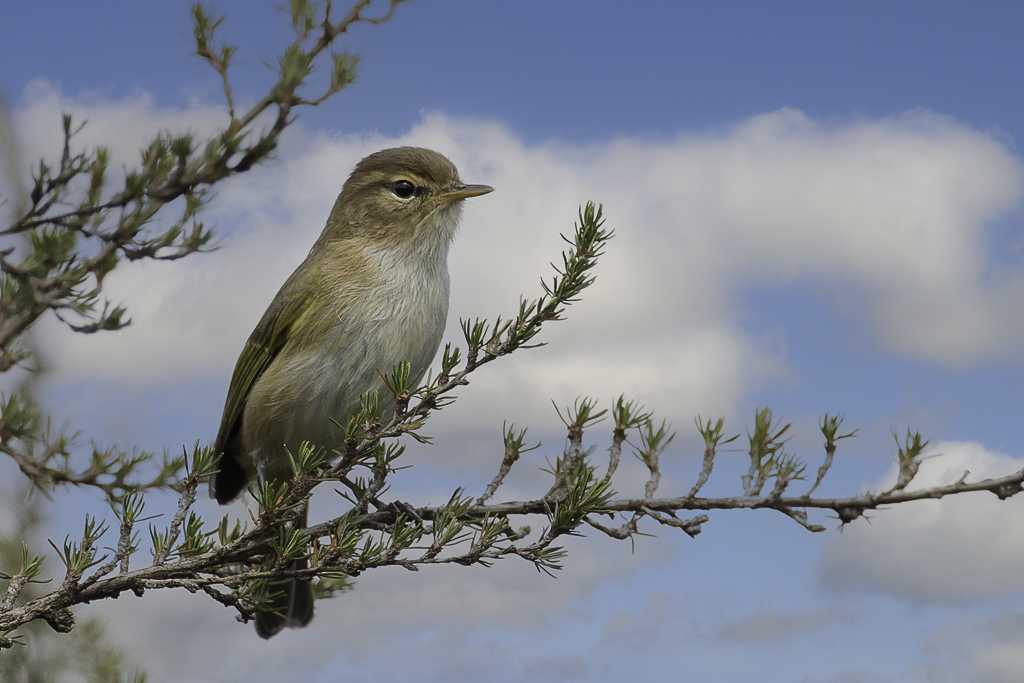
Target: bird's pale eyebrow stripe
[(413, 178)]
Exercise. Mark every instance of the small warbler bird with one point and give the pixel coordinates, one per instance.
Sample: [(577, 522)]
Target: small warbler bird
[(373, 292)]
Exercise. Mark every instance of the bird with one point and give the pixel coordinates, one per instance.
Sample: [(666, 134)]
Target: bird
[(372, 292)]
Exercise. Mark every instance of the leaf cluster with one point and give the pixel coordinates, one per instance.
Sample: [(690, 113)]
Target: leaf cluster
[(80, 217)]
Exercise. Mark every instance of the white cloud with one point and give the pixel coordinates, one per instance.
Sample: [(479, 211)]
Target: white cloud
[(967, 547), (769, 626), (890, 212), (982, 648), (123, 126)]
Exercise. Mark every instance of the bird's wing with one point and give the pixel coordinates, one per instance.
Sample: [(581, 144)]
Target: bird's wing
[(283, 316)]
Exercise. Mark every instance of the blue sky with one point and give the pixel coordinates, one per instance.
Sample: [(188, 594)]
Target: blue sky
[(818, 208)]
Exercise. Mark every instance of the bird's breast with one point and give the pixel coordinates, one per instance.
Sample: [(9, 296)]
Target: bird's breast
[(361, 330)]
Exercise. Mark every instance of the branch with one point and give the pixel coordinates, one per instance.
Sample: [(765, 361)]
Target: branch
[(238, 568)]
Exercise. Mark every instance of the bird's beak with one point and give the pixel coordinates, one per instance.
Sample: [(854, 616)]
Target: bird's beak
[(465, 191)]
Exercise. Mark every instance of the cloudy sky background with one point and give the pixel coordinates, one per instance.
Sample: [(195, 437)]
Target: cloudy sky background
[(817, 208)]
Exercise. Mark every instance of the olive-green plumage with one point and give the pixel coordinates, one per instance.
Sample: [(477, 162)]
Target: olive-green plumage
[(372, 292)]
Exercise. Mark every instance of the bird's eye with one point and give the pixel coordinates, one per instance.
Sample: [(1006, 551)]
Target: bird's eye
[(403, 189)]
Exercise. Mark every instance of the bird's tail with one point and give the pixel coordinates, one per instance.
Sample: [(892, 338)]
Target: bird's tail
[(291, 604)]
